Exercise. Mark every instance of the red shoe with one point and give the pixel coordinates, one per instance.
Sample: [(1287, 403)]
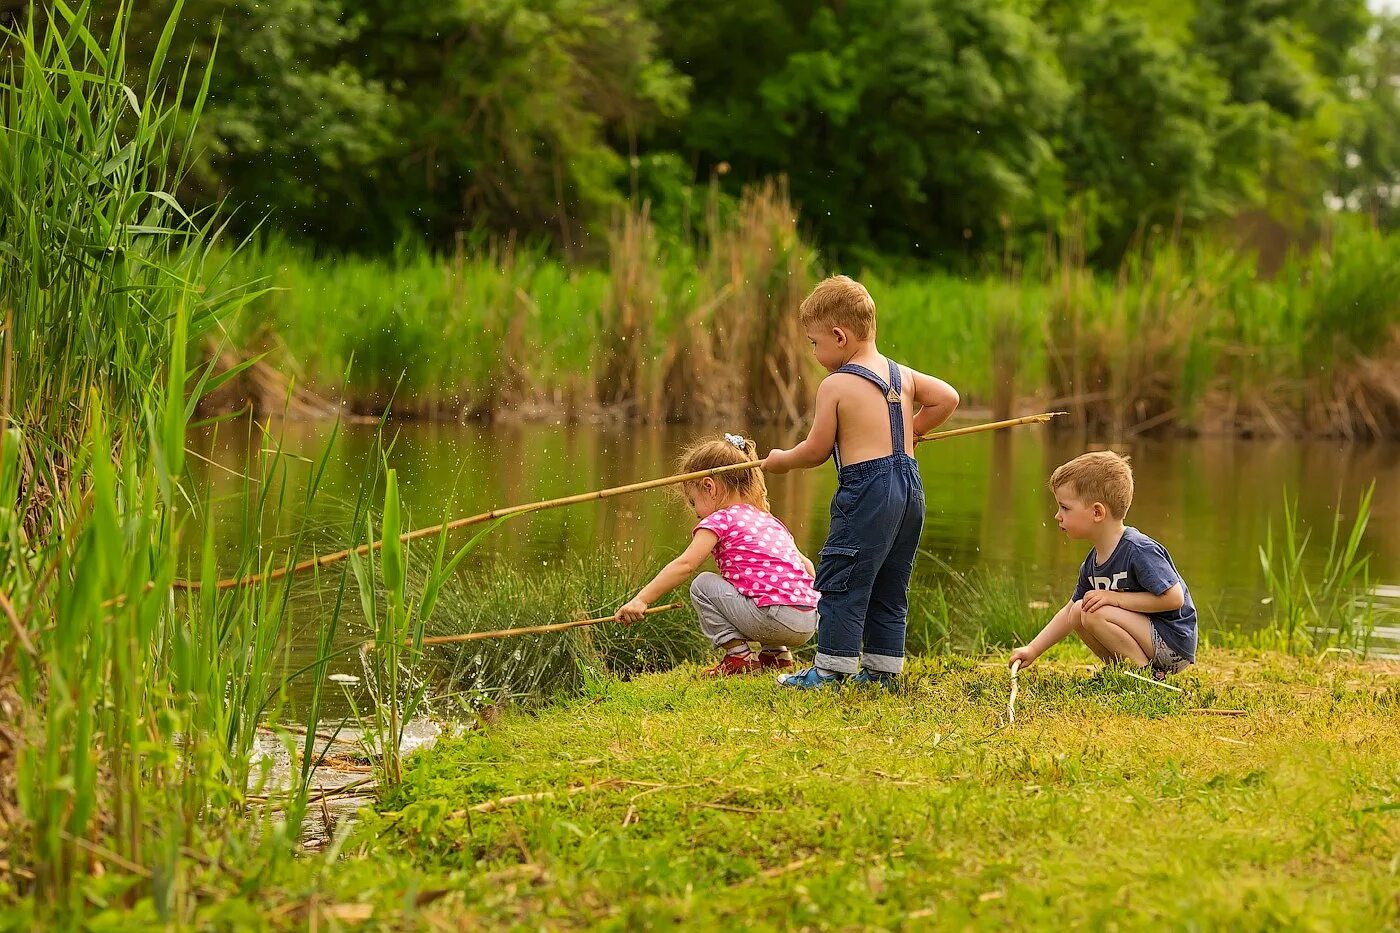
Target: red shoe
[(733, 664), (772, 661)]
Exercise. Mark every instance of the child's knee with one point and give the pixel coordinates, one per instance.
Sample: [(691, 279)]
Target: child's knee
[(702, 588), (1077, 614)]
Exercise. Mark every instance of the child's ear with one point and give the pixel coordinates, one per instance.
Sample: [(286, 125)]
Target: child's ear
[(840, 335), (1100, 511)]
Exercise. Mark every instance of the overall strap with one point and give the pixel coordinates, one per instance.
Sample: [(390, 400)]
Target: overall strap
[(895, 397), (892, 392)]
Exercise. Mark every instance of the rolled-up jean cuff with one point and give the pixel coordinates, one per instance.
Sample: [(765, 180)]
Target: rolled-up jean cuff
[(836, 663), (882, 663)]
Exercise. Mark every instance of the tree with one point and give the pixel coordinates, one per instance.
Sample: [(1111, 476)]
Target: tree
[(1368, 151), (1150, 134), (506, 112), (1286, 56), (903, 125)]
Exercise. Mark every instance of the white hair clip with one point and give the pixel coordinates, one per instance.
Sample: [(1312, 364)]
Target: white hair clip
[(735, 439)]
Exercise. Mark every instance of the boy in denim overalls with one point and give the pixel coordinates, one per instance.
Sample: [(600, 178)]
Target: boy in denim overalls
[(868, 412)]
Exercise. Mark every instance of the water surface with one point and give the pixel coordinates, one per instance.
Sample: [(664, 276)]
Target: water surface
[(1211, 502)]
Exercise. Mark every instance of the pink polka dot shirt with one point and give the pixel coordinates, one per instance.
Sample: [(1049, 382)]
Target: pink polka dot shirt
[(757, 555)]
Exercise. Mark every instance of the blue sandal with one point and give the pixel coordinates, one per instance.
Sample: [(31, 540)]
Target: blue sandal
[(878, 678), (809, 678)]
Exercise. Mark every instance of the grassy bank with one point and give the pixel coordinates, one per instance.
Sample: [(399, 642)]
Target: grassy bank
[(669, 799), (1185, 336), (1107, 802)]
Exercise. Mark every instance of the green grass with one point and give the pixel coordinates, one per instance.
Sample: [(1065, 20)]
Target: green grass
[(1108, 803)]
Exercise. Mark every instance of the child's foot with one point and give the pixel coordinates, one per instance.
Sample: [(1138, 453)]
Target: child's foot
[(877, 678), (734, 664), (811, 678), (774, 661)]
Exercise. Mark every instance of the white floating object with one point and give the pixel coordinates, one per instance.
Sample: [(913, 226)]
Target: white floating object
[(343, 679)]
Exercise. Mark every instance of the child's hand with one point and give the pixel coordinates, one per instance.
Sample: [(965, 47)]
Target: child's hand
[(1024, 655), (773, 463), (1094, 600), (807, 564), (632, 612)]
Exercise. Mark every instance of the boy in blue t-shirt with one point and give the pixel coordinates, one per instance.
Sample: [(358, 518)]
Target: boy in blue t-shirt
[(1130, 603)]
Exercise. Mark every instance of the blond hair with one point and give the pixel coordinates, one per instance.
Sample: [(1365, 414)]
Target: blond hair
[(840, 301), (1099, 476), (713, 452)]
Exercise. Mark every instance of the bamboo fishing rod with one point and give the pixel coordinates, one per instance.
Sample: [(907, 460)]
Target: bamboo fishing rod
[(534, 629), (1041, 418), (596, 495)]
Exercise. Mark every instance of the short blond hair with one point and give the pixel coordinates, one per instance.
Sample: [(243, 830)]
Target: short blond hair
[(840, 301), (1099, 476)]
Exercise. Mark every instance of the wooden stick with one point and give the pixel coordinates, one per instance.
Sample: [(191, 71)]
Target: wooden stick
[(596, 495), (338, 556), (1041, 418), (491, 806), (1156, 683), (1015, 685), (533, 629)]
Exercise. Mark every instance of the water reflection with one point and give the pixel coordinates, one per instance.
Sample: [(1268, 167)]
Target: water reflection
[(1210, 501)]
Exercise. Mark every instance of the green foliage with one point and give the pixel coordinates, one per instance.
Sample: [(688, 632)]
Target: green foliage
[(907, 126), (359, 122), (1149, 136), (133, 704), (95, 253), (531, 669), (1368, 153), (1183, 330), (955, 131)]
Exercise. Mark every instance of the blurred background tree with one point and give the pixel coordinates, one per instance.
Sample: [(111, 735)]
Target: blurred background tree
[(951, 132)]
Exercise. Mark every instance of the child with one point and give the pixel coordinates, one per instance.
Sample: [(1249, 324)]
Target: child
[(868, 412), (1130, 603), (763, 591)]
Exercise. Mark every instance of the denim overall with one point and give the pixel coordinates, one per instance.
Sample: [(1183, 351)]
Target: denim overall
[(877, 516)]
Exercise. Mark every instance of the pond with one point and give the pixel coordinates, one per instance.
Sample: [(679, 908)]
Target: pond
[(1210, 501)]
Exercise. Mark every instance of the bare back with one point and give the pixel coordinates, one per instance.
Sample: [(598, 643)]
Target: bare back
[(852, 412), (862, 414)]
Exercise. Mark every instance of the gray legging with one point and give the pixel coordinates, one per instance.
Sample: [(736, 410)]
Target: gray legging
[(727, 615)]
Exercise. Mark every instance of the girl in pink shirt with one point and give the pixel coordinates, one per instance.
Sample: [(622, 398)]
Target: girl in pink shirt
[(763, 592)]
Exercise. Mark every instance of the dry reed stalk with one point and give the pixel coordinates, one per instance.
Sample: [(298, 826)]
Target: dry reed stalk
[(765, 270), (533, 629), (634, 300)]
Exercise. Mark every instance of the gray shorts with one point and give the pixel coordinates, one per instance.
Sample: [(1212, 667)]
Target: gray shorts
[(1165, 659), (727, 615)]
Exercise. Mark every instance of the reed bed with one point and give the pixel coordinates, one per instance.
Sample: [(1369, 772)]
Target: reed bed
[(130, 711), (1185, 336)]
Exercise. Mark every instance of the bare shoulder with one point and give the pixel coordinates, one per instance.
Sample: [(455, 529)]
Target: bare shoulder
[(928, 389), (838, 385)]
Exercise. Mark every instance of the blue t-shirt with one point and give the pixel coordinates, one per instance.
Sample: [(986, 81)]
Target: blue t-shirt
[(1140, 565)]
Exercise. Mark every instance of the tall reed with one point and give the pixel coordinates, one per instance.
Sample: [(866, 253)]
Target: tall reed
[(1183, 336), (96, 250), (135, 709), (1315, 608)]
